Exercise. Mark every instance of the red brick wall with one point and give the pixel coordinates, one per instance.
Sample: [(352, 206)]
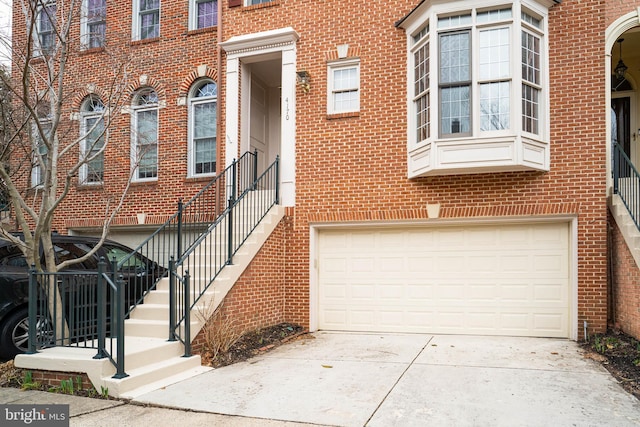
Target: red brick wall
[(617, 8), (51, 379), (258, 297), (625, 274), (625, 283), (354, 168), (169, 62)]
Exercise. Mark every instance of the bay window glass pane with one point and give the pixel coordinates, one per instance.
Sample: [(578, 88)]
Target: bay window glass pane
[(493, 15), (421, 69), (531, 20), (530, 58), (494, 54), (494, 106), (530, 109), (454, 57), (454, 21), (455, 111), (423, 119)]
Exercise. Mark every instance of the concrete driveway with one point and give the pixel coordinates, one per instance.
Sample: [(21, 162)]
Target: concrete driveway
[(343, 379)]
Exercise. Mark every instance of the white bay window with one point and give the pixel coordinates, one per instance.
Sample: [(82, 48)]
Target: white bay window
[(477, 87)]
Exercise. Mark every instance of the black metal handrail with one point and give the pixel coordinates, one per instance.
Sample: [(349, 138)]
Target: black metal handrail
[(183, 229), (78, 309), (88, 309), (626, 183), (199, 266)]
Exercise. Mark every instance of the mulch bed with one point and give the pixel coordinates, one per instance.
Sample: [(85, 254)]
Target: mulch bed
[(619, 353), (256, 342)]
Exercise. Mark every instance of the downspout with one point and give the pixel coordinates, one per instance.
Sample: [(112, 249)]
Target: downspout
[(219, 79)]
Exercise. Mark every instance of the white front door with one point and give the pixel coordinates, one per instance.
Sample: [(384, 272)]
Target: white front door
[(259, 123)]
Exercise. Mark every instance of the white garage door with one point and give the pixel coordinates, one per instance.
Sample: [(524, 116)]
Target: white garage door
[(491, 280)]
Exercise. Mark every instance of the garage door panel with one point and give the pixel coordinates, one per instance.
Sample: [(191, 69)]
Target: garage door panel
[(499, 279)]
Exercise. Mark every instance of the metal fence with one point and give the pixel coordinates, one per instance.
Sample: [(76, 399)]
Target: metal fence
[(626, 183), (193, 272), (79, 309), (88, 309)]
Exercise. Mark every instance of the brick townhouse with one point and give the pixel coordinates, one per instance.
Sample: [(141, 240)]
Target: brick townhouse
[(445, 166)]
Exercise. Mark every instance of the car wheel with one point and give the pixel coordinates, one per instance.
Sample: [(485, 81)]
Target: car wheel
[(14, 335)]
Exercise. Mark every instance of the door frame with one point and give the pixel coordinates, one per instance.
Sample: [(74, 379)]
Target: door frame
[(249, 49), (612, 34), (634, 138)]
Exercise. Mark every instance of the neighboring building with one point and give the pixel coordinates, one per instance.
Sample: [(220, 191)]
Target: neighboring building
[(445, 166)]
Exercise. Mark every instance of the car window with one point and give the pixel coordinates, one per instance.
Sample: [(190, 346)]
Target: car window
[(12, 256), (119, 254), (67, 251)]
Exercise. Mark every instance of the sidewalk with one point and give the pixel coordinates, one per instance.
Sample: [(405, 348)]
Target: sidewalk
[(85, 411)]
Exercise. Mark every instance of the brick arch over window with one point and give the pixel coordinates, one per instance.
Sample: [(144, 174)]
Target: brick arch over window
[(195, 74), (146, 81), (82, 94)]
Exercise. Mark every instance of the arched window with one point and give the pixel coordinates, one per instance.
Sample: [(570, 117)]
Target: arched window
[(202, 128), (93, 136), (144, 134)]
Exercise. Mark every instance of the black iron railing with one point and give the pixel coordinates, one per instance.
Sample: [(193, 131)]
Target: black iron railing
[(184, 228), (88, 309), (85, 310), (626, 183), (199, 266)]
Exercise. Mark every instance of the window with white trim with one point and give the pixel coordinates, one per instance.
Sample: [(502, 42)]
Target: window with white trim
[(203, 128), (144, 134), (203, 14), (343, 88), (531, 73), (478, 74), (474, 74), (93, 23), (252, 2), (92, 140), (146, 19), (45, 28)]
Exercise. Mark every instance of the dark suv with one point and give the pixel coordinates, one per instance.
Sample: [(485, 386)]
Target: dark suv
[(139, 273)]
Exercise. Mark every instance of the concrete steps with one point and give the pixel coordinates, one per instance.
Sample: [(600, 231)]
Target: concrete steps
[(626, 225), (151, 361)]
